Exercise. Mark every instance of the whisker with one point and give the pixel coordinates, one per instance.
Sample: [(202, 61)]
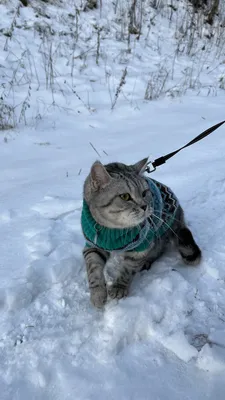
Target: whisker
[(148, 241), (156, 233), (152, 230), (164, 222), (175, 219)]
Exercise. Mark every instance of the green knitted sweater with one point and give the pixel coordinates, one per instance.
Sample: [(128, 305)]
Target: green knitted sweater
[(137, 238)]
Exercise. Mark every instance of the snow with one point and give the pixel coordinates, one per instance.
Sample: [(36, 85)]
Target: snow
[(166, 339)]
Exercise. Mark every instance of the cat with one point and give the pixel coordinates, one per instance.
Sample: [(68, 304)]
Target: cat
[(127, 220)]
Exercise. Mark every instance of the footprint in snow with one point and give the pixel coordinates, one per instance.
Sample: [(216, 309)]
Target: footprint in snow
[(56, 207), (55, 245)]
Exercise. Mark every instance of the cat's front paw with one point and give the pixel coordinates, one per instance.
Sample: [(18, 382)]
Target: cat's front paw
[(99, 296), (117, 291)]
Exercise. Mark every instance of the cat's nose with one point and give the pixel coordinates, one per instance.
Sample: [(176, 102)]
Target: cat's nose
[(144, 207)]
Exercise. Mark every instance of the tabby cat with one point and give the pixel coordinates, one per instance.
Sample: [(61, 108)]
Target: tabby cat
[(127, 220)]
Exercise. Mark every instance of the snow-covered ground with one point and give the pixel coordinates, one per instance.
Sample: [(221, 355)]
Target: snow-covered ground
[(167, 339)]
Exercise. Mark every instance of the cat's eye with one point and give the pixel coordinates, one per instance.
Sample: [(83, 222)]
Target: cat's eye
[(125, 196)]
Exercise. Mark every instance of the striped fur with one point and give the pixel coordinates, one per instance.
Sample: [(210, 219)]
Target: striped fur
[(110, 273)]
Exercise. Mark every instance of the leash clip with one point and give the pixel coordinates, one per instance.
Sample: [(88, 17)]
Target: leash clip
[(150, 167)]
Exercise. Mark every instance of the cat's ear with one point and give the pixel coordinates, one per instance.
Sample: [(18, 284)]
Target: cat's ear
[(141, 165), (99, 176)]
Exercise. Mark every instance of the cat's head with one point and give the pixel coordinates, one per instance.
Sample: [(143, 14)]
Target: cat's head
[(118, 195)]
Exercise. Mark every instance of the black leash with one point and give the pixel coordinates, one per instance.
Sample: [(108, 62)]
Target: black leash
[(161, 160)]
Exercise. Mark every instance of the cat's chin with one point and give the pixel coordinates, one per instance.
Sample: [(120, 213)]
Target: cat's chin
[(126, 222), (139, 221), (126, 225)]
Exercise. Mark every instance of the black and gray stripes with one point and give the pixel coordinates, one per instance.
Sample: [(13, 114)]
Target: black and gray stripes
[(110, 274)]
